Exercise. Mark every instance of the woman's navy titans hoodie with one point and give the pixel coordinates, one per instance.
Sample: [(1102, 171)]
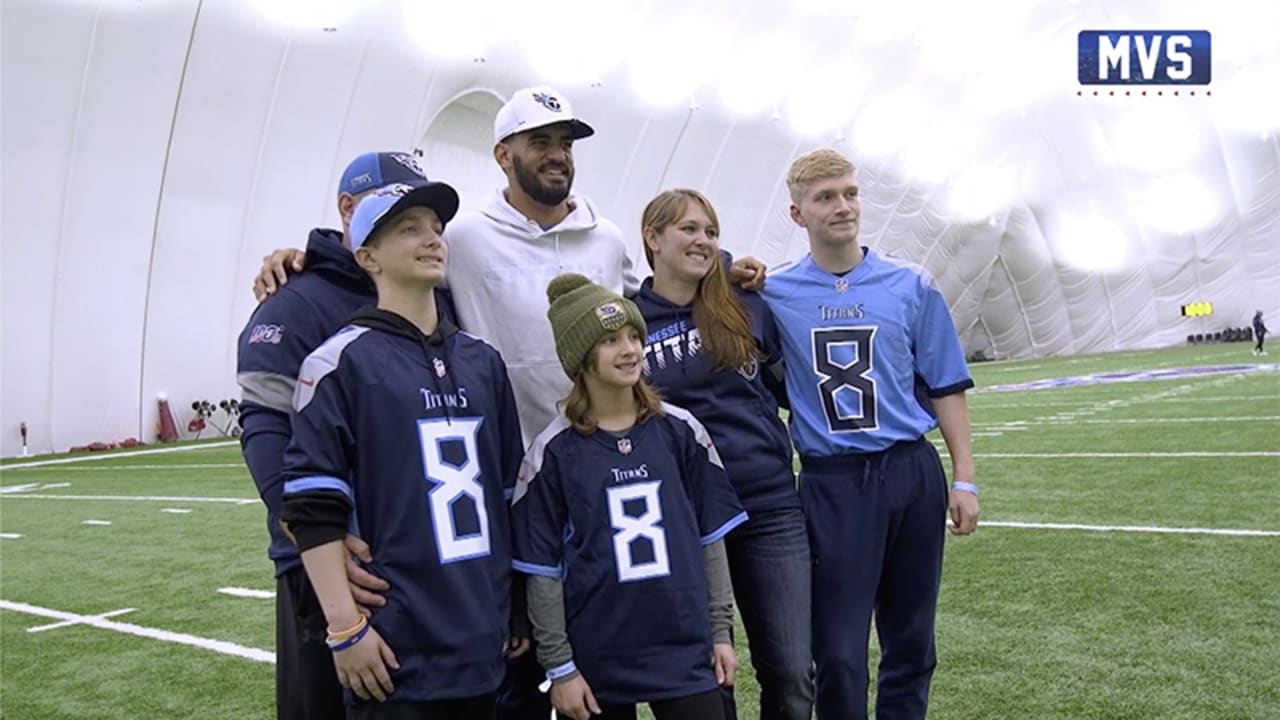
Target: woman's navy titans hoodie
[(739, 408)]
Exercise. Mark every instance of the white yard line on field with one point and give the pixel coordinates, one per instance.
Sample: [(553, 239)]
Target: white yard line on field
[(113, 455), (176, 511), (10, 536), (95, 522), (176, 466), (1177, 454), (1128, 421), (1064, 402), (147, 498), (1130, 528), (247, 593), (67, 623), (218, 646), (942, 450)]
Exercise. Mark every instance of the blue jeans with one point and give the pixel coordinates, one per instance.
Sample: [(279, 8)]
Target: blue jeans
[(771, 568)]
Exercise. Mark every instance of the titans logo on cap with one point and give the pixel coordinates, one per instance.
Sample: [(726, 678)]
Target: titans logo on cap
[(409, 162), (547, 101), (397, 190)]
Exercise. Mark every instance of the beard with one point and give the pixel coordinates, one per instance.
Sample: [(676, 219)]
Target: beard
[(542, 193)]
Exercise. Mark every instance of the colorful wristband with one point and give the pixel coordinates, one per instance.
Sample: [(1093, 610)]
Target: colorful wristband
[(339, 636), (562, 671), (965, 486), (339, 645)]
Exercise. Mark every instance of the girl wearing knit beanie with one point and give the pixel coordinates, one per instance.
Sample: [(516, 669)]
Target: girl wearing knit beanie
[(618, 519)]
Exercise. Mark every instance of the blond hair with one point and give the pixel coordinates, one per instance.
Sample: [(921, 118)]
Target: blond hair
[(813, 166)]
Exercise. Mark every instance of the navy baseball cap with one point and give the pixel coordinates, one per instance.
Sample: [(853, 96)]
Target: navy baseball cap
[(374, 170), (382, 206)]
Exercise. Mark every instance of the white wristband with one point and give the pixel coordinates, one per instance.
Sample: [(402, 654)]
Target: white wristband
[(965, 486)]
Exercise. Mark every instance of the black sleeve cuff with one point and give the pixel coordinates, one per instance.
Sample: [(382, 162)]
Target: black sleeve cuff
[(521, 627), (950, 389), (316, 518)]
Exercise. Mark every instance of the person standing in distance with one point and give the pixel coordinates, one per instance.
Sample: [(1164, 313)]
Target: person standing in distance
[(1259, 333)]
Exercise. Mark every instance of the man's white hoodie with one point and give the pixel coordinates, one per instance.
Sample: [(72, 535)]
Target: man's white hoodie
[(500, 263)]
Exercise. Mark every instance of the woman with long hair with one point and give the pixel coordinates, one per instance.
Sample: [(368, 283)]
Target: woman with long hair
[(713, 350)]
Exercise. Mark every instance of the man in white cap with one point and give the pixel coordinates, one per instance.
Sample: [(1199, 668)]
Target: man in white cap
[(524, 235), (501, 259), (503, 255)]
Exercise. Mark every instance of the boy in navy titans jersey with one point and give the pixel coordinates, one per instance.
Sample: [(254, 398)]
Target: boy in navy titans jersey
[(619, 518), (406, 429), (282, 331), (873, 363)]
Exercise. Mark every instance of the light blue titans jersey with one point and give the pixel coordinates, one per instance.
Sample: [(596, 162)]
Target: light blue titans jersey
[(863, 351)]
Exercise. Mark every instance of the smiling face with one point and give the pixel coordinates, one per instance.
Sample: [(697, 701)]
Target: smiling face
[(615, 361), (686, 248), (408, 250), (830, 210), (540, 162)]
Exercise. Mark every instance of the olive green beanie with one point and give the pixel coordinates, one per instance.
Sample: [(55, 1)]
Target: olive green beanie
[(581, 314)]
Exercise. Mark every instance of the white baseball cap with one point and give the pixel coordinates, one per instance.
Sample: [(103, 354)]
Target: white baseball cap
[(536, 107)]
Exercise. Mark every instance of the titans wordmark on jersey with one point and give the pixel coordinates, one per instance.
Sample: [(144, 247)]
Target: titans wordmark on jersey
[(420, 438), (860, 349), (623, 525)]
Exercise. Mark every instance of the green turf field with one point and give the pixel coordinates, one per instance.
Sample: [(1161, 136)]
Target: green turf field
[(1129, 566)]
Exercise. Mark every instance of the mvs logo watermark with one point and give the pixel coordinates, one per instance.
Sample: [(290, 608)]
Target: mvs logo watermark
[(1144, 57)]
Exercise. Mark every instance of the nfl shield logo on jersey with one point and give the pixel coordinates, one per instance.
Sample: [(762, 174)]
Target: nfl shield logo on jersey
[(842, 285), (271, 334), (624, 446), (438, 364)]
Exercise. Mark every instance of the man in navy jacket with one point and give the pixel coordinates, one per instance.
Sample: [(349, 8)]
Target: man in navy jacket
[(279, 335)]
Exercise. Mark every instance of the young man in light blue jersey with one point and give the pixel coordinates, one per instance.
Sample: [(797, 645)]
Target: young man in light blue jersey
[(873, 363)]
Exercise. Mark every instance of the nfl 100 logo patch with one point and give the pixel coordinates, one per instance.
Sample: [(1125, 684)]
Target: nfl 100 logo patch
[(271, 334), (611, 316)]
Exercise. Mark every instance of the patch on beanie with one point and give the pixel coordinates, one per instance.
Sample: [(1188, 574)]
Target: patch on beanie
[(566, 283), (611, 316)]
